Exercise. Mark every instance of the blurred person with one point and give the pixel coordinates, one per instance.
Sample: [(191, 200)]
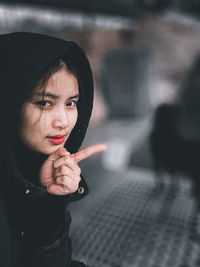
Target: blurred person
[(166, 146), (47, 96), (172, 152)]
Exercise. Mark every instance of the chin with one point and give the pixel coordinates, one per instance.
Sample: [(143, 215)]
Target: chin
[(45, 149), (52, 149)]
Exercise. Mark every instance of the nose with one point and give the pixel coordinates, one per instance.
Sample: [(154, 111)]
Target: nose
[(60, 120)]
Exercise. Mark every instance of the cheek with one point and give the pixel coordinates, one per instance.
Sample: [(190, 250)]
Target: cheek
[(74, 119), (43, 122), (31, 120)]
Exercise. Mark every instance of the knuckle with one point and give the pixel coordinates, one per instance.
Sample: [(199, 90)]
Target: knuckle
[(55, 172), (79, 178), (62, 168), (66, 189), (55, 163), (78, 170), (75, 187), (63, 179), (58, 180)]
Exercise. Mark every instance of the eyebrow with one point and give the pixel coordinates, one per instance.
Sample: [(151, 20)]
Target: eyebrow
[(55, 96)]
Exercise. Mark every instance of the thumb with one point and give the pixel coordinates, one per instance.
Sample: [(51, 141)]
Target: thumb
[(58, 153)]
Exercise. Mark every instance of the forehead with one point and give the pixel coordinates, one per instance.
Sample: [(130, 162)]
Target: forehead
[(61, 82)]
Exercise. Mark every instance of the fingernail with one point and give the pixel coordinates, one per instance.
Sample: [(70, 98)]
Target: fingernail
[(64, 151)]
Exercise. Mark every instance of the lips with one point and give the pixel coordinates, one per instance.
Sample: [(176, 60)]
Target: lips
[(57, 139)]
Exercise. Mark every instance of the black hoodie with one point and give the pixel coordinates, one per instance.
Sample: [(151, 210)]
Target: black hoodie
[(25, 206)]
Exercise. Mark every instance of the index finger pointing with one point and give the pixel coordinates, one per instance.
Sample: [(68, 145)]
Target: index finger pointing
[(88, 152)]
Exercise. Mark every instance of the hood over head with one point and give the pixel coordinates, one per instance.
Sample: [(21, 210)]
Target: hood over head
[(24, 59)]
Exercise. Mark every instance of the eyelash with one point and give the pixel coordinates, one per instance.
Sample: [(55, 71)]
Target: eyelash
[(43, 102), (73, 101)]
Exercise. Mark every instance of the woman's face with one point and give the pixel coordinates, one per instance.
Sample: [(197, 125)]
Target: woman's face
[(48, 119)]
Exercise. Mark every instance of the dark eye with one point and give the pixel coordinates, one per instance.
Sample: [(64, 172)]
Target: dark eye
[(71, 104), (44, 103)]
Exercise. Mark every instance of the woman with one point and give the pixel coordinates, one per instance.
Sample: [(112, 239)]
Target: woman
[(47, 95)]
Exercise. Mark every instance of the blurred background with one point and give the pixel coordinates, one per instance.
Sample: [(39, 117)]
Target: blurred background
[(143, 206)]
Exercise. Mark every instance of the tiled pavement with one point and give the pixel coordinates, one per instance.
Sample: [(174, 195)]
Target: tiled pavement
[(122, 224)]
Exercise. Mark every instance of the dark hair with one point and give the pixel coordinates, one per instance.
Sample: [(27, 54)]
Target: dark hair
[(57, 66)]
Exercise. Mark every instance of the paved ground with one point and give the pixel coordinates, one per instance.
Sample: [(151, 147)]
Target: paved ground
[(122, 224)]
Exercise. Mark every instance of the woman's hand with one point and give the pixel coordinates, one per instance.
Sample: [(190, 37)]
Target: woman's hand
[(60, 172)]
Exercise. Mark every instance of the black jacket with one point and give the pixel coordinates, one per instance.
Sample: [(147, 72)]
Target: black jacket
[(25, 207), (25, 239)]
